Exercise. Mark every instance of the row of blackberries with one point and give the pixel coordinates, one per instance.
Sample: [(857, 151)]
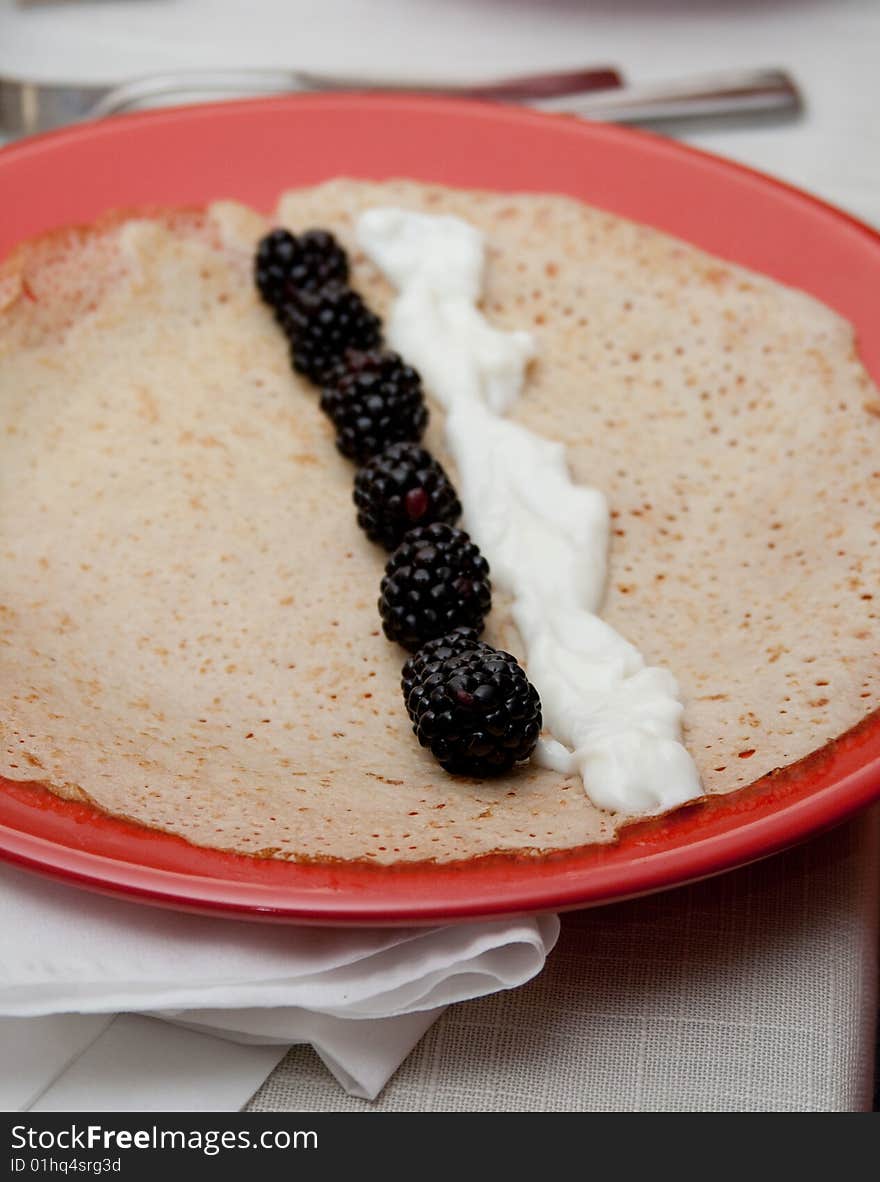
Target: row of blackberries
[(471, 704)]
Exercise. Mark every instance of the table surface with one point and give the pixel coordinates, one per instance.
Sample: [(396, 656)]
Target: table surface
[(753, 991)]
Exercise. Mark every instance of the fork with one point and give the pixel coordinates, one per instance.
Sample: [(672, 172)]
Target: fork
[(597, 93)]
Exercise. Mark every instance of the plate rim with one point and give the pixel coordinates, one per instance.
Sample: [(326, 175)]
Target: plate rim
[(551, 884)]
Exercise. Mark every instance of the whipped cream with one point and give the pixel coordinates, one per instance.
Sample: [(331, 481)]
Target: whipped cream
[(613, 720)]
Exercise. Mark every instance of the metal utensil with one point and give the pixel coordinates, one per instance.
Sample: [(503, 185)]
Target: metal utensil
[(595, 93), (707, 96), (29, 107)]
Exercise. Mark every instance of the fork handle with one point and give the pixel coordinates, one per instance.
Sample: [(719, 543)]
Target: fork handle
[(729, 92)]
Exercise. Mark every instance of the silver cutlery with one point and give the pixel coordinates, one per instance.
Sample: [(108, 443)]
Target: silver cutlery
[(595, 93), (28, 107)]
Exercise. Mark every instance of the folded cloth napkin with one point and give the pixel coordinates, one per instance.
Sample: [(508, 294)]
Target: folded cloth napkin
[(70, 961)]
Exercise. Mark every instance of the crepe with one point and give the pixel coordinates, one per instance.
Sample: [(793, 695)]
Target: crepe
[(188, 626)]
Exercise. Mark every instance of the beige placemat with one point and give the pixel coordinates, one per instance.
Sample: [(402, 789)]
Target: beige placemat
[(753, 991)]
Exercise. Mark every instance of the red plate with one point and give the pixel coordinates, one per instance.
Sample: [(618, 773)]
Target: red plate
[(252, 151)]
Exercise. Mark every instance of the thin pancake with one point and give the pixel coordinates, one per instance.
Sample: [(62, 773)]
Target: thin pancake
[(188, 617)]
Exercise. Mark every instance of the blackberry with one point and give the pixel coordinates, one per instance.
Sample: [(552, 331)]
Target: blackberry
[(323, 324), (431, 656), (477, 712), (435, 581), (286, 265), (399, 488), (374, 399)]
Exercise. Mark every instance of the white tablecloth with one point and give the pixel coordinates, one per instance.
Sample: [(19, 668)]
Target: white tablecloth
[(754, 991)]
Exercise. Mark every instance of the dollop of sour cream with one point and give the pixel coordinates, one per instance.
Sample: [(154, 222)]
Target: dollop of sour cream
[(613, 719)]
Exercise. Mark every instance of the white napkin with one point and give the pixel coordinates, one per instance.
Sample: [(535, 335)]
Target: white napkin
[(70, 961)]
